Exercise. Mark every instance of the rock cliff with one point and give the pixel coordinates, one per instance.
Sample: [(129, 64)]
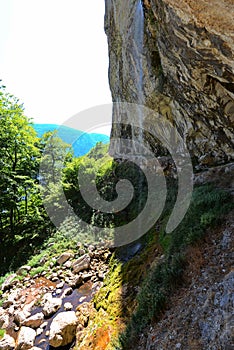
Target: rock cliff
[(184, 68)]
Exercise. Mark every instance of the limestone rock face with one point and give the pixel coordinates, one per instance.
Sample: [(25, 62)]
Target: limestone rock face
[(63, 329), (187, 68)]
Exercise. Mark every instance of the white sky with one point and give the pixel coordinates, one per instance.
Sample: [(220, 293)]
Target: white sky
[(53, 56)]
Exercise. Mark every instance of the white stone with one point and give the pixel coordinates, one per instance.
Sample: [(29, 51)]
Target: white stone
[(7, 343), (44, 324), (39, 331), (66, 292), (25, 338), (63, 329), (60, 285), (68, 264), (4, 321), (21, 316), (51, 306), (68, 306)]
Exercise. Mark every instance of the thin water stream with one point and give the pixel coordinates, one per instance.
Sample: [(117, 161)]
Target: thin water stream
[(78, 296), (75, 297)]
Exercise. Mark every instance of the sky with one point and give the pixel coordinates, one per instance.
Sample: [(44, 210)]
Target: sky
[(54, 56)]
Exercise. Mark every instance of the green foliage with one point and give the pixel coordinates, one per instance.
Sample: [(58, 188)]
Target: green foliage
[(21, 210), (206, 210), (2, 333), (37, 270), (18, 152), (55, 155)]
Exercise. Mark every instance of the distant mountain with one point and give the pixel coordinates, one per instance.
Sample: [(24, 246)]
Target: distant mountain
[(81, 142)]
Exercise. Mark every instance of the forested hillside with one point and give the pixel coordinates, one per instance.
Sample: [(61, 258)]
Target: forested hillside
[(81, 142)]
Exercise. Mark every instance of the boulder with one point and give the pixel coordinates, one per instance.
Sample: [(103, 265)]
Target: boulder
[(64, 257), (34, 321), (13, 296), (26, 338), (63, 329), (83, 263), (68, 306), (9, 282), (20, 316), (76, 281), (23, 270), (51, 305), (7, 343), (60, 285), (67, 264), (83, 312), (67, 291), (4, 321)]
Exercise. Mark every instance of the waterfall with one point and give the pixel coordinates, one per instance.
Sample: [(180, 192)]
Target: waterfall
[(139, 46), (138, 42), (139, 138)]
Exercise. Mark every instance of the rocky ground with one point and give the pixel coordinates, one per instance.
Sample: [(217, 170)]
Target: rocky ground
[(41, 311), (200, 315)]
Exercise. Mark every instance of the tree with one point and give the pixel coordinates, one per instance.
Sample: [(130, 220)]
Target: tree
[(55, 155), (19, 156)]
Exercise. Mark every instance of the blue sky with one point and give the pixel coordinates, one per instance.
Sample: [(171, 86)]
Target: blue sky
[(54, 56)]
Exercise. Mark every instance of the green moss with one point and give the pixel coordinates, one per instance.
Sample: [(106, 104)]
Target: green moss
[(2, 333), (37, 270)]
